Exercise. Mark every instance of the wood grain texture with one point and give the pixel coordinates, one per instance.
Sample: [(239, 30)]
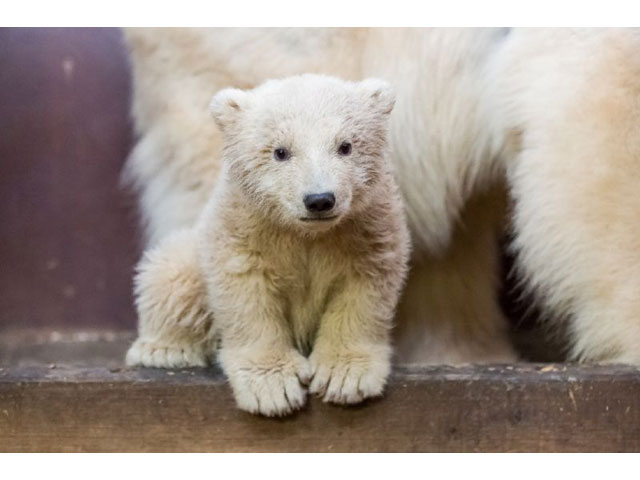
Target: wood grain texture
[(515, 408)]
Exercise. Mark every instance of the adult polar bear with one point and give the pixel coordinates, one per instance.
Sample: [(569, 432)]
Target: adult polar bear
[(553, 114)]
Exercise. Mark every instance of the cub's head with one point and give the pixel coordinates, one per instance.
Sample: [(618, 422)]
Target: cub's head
[(306, 150)]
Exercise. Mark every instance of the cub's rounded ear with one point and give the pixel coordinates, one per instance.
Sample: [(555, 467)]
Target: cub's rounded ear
[(378, 94), (226, 106)]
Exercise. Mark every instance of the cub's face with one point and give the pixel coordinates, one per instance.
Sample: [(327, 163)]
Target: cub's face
[(306, 150)]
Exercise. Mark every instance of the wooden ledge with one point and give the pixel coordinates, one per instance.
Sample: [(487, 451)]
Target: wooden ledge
[(68, 391), (491, 408)]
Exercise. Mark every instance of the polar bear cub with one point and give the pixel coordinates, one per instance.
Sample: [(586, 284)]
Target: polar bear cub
[(302, 249)]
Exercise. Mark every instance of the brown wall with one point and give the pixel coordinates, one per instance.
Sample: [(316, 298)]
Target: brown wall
[(67, 230)]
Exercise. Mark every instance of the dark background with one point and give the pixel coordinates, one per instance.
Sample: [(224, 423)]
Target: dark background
[(68, 231)]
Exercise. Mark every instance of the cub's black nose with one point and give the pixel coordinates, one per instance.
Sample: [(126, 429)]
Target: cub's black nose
[(319, 202)]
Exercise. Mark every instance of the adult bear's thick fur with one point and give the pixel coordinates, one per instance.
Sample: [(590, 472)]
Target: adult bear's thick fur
[(551, 114)]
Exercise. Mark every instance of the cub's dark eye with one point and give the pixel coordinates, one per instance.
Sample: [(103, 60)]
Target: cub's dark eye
[(281, 154), (345, 148)]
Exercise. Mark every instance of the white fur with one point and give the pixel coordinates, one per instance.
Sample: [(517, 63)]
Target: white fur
[(551, 112), (271, 280)]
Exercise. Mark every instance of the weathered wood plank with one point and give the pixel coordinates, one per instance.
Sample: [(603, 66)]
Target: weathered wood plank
[(519, 408)]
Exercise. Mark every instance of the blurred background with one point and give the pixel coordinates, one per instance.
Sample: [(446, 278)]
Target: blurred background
[(68, 231)]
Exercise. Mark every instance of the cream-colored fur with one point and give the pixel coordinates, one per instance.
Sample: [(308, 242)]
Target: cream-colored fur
[(171, 299), (576, 179), (550, 113), (283, 281)]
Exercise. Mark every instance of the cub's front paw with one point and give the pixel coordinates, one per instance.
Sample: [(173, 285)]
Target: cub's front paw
[(152, 354), (272, 385), (348, 377)]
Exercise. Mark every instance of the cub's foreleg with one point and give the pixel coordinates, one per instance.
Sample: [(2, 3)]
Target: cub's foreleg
[(351, 357), (267, 374), (171, 300)]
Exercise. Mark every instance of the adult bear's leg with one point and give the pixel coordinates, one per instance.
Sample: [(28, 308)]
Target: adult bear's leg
[(447, 154), (576, 182), (449, 312)]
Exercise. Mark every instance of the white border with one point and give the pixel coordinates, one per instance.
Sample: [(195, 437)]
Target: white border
[(320, 13), (317, 467)]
